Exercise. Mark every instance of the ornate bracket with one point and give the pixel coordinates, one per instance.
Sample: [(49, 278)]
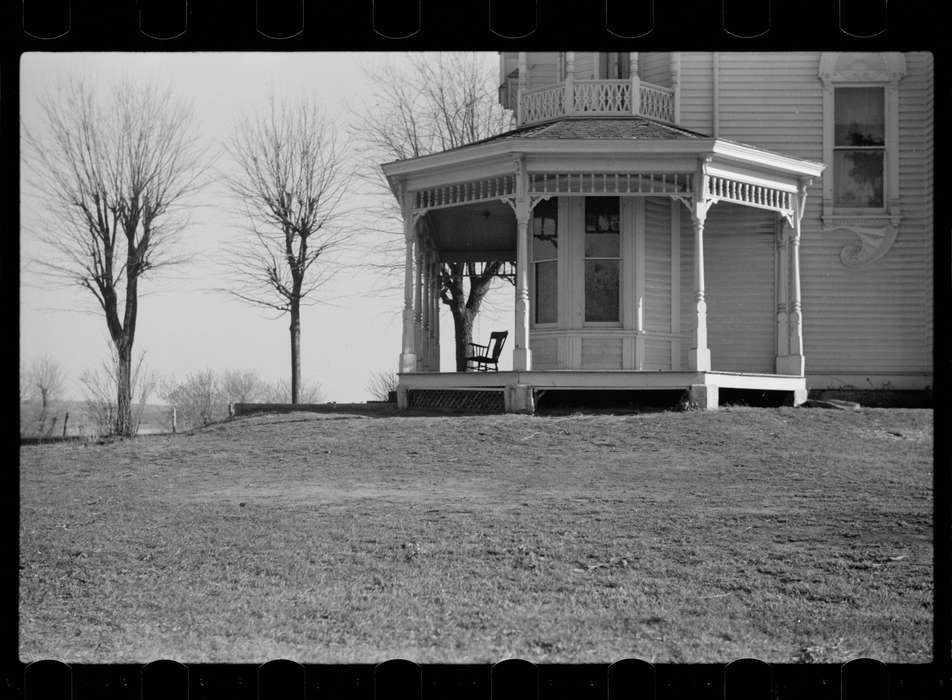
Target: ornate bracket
[(874, 242)]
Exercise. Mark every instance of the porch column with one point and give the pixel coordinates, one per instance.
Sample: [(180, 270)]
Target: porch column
[(676, 84), (434, 312), (635, 83), (699, 356), (425, 310), (418, 307), (523, 69), (437, 286), (781, 284), (408, 358), (793, 363), (522, 355), (568, 99)]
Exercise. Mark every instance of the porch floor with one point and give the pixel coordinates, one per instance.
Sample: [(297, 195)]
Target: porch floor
[(519, 389)]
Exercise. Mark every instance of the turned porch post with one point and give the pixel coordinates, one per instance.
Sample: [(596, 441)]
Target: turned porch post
[(796, 363), (522, 355), (568, 99), (425, 309), (781, 284), (792, 361), (635, 83), (408, 359), (699, 356), (418, 305), (523, 69)]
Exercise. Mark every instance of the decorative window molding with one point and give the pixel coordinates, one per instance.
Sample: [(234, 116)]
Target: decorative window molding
[(875, 228)]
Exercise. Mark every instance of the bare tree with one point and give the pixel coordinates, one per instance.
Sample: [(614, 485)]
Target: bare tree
[(99, 386), (46, 379), (290, 180), (279, 391), (442, 101), (198, 399), (242, 386), (381, 384), (114, 175)]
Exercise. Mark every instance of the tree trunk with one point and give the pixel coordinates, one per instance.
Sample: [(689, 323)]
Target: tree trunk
[(462, 332), (123, 424), (295, 351)]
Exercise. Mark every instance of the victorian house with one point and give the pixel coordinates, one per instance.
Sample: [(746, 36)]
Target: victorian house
[(686, 221)]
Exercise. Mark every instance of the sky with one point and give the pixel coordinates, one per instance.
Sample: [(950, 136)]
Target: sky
[(185, 323)]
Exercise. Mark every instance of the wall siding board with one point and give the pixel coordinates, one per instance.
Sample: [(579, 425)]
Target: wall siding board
[(601, 353), (655, 67), (739, 245), (545, 353), (657, 264), (657, 354)]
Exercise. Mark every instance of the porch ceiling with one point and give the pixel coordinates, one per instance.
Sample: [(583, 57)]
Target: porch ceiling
[(483, 231)]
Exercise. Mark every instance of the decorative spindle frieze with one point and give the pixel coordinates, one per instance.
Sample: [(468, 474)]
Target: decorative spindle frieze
[(749, 194), (610, 183), (464, 193)]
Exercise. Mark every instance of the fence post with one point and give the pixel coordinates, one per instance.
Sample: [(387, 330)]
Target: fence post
[(173, 420), (65, 421)]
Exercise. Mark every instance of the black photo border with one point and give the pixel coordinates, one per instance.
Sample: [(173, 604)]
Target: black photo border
[(223, 25)]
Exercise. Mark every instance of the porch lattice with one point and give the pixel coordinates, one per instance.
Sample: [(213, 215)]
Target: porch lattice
[(489, 401)]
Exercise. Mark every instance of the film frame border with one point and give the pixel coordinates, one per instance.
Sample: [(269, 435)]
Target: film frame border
[(216, 25)]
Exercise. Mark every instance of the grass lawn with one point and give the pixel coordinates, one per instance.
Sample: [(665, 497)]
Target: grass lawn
[(783, 534)]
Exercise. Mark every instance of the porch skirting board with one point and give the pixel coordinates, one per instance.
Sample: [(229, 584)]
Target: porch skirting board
[(515, 391)]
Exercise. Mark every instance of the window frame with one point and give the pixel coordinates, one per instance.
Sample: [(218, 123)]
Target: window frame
[(534, 323), (618, 260), (884, 149), (862, 70)]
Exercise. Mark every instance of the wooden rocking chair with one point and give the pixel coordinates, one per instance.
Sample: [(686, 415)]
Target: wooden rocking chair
[(484, 356)]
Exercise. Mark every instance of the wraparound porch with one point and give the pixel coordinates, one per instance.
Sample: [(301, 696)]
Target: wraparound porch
[(520, 389)]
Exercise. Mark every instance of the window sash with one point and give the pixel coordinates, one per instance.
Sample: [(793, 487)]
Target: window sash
[(859, 147), (546, 297)]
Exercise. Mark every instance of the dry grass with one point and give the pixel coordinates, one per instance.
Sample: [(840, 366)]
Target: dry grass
[(782, 534)]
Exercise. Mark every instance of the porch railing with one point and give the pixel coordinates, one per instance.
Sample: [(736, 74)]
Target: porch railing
[(596, 98)]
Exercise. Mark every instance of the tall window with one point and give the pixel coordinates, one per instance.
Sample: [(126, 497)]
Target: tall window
[(545, 218), (602, 259), (859, 147)]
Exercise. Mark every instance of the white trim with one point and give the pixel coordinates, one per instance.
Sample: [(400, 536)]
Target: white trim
[(675, 285)]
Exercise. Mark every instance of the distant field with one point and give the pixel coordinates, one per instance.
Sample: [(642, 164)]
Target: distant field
[(789, 535), (156, 418)]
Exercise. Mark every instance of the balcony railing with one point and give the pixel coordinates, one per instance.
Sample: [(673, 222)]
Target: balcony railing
[(596, 98)]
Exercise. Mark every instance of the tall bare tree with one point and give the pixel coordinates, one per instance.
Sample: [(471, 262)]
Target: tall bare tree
[(290, 178), (440, 101), (46, 380), (114, 174)]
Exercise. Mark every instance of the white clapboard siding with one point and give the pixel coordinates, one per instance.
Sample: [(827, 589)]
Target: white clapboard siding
[(657, 354), (657, 306), (877, 319), (601, 353), (739, 280), (543, 68), (772, 100), (655, 68), (545, 353), (696, 90), (585, 65)]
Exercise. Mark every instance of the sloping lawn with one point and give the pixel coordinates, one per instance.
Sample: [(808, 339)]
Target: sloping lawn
[(781, 534)]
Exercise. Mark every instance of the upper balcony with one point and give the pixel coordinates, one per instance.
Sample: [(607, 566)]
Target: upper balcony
[(593, 98)]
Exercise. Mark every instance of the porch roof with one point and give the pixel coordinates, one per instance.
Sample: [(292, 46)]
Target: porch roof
[(598, 137)]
